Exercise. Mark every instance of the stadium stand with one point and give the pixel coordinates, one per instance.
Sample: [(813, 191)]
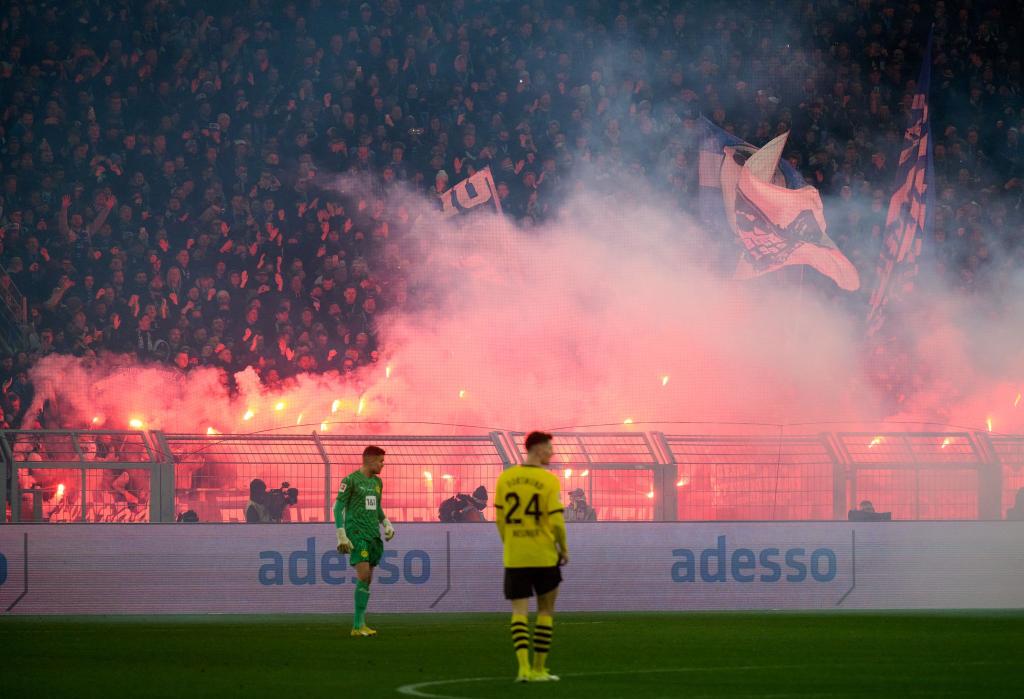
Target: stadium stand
[(163, 167)]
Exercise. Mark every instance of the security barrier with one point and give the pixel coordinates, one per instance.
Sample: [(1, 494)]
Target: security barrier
[(124, 476)]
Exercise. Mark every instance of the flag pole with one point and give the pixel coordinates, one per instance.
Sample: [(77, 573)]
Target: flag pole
[(494, 191)]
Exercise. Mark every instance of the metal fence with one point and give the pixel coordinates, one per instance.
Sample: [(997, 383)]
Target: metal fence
[(618, 472), (212, 473), (111, 476), (921, 475), (1008, 453), (755, 477), (81, 476)]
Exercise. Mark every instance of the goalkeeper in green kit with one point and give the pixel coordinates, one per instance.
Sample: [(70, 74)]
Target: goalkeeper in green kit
[(358, 516)]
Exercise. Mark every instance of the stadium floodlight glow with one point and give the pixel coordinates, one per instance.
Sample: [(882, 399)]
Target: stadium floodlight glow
[(279, 406), (135, 423), (248, 414)]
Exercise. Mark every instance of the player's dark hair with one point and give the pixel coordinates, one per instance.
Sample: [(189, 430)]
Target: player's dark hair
[(535, 438), (372, 451)]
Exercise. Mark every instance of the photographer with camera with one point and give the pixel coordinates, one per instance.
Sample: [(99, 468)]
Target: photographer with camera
[(267, 506), (464, 508)]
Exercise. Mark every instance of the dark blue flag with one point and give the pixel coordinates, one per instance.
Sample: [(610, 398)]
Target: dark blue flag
[(909, 220)]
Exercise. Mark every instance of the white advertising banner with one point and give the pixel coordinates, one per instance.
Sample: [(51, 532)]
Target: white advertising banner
[(216, 568)]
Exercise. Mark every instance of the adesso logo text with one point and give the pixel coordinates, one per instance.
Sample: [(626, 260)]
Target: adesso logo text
[(306, 567), (745, 565)]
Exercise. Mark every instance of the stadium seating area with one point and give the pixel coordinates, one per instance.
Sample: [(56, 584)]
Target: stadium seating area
[(170, 177)]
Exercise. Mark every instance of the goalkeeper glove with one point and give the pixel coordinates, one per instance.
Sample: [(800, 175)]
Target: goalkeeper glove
[(344, 545), (389, 531)]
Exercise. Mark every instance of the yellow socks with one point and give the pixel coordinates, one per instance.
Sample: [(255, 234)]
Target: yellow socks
[(521, 640), (542, 632)]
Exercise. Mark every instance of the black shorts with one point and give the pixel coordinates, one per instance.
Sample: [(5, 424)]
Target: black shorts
[(525, 582)]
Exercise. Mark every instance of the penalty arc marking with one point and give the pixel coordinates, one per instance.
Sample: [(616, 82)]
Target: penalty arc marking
[(418, 689)]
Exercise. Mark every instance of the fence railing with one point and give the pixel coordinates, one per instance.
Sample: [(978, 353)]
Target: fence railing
[(115, 476)]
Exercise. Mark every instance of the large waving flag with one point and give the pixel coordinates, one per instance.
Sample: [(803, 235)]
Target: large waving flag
[(909, 219), (471, 192), (777, 217)]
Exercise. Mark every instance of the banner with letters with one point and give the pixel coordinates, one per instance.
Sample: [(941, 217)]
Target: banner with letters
[(471, 192), (223, 568)]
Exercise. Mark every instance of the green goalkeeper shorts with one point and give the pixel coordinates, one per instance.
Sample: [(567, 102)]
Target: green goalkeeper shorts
[(367, 550)]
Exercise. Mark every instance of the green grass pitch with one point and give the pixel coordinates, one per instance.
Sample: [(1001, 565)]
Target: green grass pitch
[(848, 654)]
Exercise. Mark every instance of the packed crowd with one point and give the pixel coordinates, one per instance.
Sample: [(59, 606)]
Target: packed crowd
[(172, 179)]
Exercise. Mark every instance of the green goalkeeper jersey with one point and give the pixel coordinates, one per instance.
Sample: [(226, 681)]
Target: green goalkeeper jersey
[(358, 507)]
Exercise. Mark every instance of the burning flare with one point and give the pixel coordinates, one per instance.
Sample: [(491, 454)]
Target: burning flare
[(875, 442), (135, 423)]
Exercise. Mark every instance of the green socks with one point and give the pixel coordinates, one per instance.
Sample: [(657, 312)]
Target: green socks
[(362, 600)]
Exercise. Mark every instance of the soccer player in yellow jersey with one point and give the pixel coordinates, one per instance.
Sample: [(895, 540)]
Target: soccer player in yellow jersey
[(532, 528)]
